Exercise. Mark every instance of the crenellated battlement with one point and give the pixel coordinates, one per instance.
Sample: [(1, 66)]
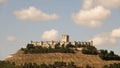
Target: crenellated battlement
[(64, 40)]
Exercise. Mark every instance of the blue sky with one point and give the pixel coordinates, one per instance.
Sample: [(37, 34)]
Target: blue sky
[(23, 21)]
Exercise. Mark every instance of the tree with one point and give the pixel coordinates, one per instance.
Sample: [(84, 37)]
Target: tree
[(57, 46), (89, 50), (87, 66), (63, 46), (108, 56), (30, 46), (43, 66), (70, 46), (111, 53)]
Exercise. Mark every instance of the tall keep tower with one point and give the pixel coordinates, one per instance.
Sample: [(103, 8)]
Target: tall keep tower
[(65, 38)]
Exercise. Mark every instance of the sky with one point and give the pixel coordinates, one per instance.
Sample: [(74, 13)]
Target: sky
[(83, 20)]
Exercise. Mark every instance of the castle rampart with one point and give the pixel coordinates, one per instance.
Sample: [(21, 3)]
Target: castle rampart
[(64, 40)]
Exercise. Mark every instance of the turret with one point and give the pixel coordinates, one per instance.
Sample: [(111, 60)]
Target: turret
[(65, 38)]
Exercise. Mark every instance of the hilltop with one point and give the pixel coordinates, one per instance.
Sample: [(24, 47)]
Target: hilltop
[(81, 53), (49, 58)]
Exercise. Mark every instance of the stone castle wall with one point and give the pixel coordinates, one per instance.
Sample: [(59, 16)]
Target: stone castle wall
[(52, 43), (64, 40)]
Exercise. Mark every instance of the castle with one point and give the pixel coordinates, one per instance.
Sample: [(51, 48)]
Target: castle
[(64, 40)]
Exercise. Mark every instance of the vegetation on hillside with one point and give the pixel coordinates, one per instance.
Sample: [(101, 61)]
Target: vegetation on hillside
[(105, 55), (4, 64), (90, 50), (87, 49), (39, 49), (115, 65), (55, 65)]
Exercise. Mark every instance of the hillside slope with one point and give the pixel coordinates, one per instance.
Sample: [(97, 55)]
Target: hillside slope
[(78, 58)]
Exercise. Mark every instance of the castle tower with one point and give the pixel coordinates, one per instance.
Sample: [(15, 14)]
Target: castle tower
[(65, 38), (91, 43)]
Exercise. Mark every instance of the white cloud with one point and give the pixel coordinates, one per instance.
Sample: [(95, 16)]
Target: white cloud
[(104, 39), (2, 1), (50, 35), (94, 12), (91, 17), (109, 3), (34, 14), (10, 38), (107, 38), (87, 4), (116, 33)]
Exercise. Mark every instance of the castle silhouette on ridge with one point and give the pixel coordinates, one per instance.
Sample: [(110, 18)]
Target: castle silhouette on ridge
[(64, 41)]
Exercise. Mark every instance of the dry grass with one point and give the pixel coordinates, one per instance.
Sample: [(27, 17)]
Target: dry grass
[(79, 59)]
